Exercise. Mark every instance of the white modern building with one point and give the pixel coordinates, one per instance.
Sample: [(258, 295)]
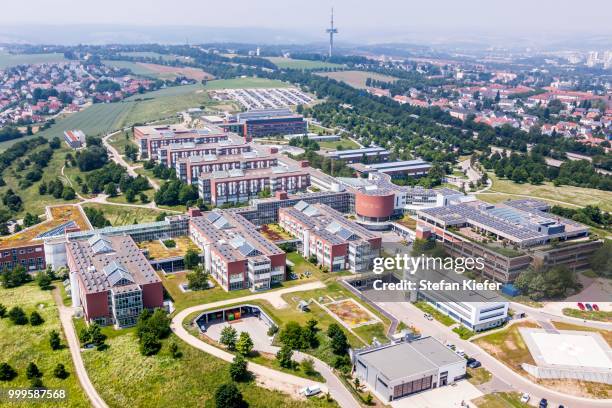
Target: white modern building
[(397, 370)]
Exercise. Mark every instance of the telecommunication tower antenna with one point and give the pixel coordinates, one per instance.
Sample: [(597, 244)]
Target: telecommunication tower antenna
[(331, 31)]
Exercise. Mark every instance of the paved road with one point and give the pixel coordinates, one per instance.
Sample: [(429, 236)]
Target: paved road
[(66, 314), (411, 315), (269, 377), (542, 314)]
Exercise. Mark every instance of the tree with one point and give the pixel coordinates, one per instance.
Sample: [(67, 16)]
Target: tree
[(228, 337), (110, 189), (149, 344), (130, 196), (238, 369), (308, 366), (198, 279), (2, 311), (244, 345), (284, 356), (96, 335), (84, 336), (36, 319), (32, 371), (339, 342), (310, 333), (601, 261), (292, 335), (60, 372), (54, 340), (191, 259), (93, 157), (68, 193), (43, 280), (229, 396), (7, 373), (18, 316)]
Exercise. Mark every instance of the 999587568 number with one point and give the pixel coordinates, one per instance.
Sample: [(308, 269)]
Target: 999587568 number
[(32, 394)]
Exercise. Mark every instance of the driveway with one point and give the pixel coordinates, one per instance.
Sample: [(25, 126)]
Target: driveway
[(443, 397), (411, 315), (265, 376)]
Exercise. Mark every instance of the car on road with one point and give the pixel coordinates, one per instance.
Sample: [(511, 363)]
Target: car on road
[(525, 398), (474, 364), (428, 316), (595, 307), (580, 306), (311, 390), (460, 352), (589, 307), (451, 346), (543, 403)]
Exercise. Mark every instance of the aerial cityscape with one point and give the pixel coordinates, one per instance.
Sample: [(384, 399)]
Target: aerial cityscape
[(331, 204)]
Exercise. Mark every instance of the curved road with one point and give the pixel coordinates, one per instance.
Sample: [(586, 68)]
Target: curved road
[(411, 315), (271, 378)]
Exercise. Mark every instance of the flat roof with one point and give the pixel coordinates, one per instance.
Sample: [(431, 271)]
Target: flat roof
[(59, 219), (407, 359)]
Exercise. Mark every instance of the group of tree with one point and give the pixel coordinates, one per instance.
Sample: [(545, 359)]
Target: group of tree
[(552, 283), (111, 178), (601, 260), (590, 215), (96, 217), (93, 335), (243, 344), (229, 396), (33, 373), (91, 158), (12, 278), (12, 201), (175, 192), (298, 337), (159, 170), (57, 189), (18, 317), (305, 143), (151, 328)]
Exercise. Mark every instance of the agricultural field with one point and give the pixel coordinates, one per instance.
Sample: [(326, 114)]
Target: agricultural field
[(126, 378), (159, 71), (20, 345), (248, 82), (123, 215), (291, 63), (11, 60), (562, 195), (357, 79)]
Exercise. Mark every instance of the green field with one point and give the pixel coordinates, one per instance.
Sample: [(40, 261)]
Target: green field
[(20, 345), (137, 69), (500, 400), (123, 215), (124, 378), (249, 82), (569, 195), (290, 63), (357, 79), (344, 144), (10, 60)]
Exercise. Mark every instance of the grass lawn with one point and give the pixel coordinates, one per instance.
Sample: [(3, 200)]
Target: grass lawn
[(290, 63), (248, 82), (573, 196), (33, 202), (123, 215), (600, 316), (436, 314), (500, 400), (11, 60), (344, 144), (479, 375), (463, 332), (125, 378), (508, 346), (357, 79), (20, 345)]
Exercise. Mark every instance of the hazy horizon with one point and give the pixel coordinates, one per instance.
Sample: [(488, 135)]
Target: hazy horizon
[(384, 21)]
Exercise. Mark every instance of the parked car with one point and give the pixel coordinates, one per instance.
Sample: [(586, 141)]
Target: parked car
[(588, 306), (543, 403), (525, 398), (311, 390), (595, 307), (580, 306), (474, 364), (460, 352), (470, 360), (428, 316)]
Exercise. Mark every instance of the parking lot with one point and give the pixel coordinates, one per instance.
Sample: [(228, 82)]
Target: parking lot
[(256, 328), (264, 98)]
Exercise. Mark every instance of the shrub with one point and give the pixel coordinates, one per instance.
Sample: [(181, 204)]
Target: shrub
[(36, 319), (32, 371), (17, 316), (54, 340), (244, 345), (7, 373), (229, 396), (149, 344), (60, 371), (238, 369)]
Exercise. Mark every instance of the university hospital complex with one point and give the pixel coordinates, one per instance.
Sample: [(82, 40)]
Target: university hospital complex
[(335, 220)]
